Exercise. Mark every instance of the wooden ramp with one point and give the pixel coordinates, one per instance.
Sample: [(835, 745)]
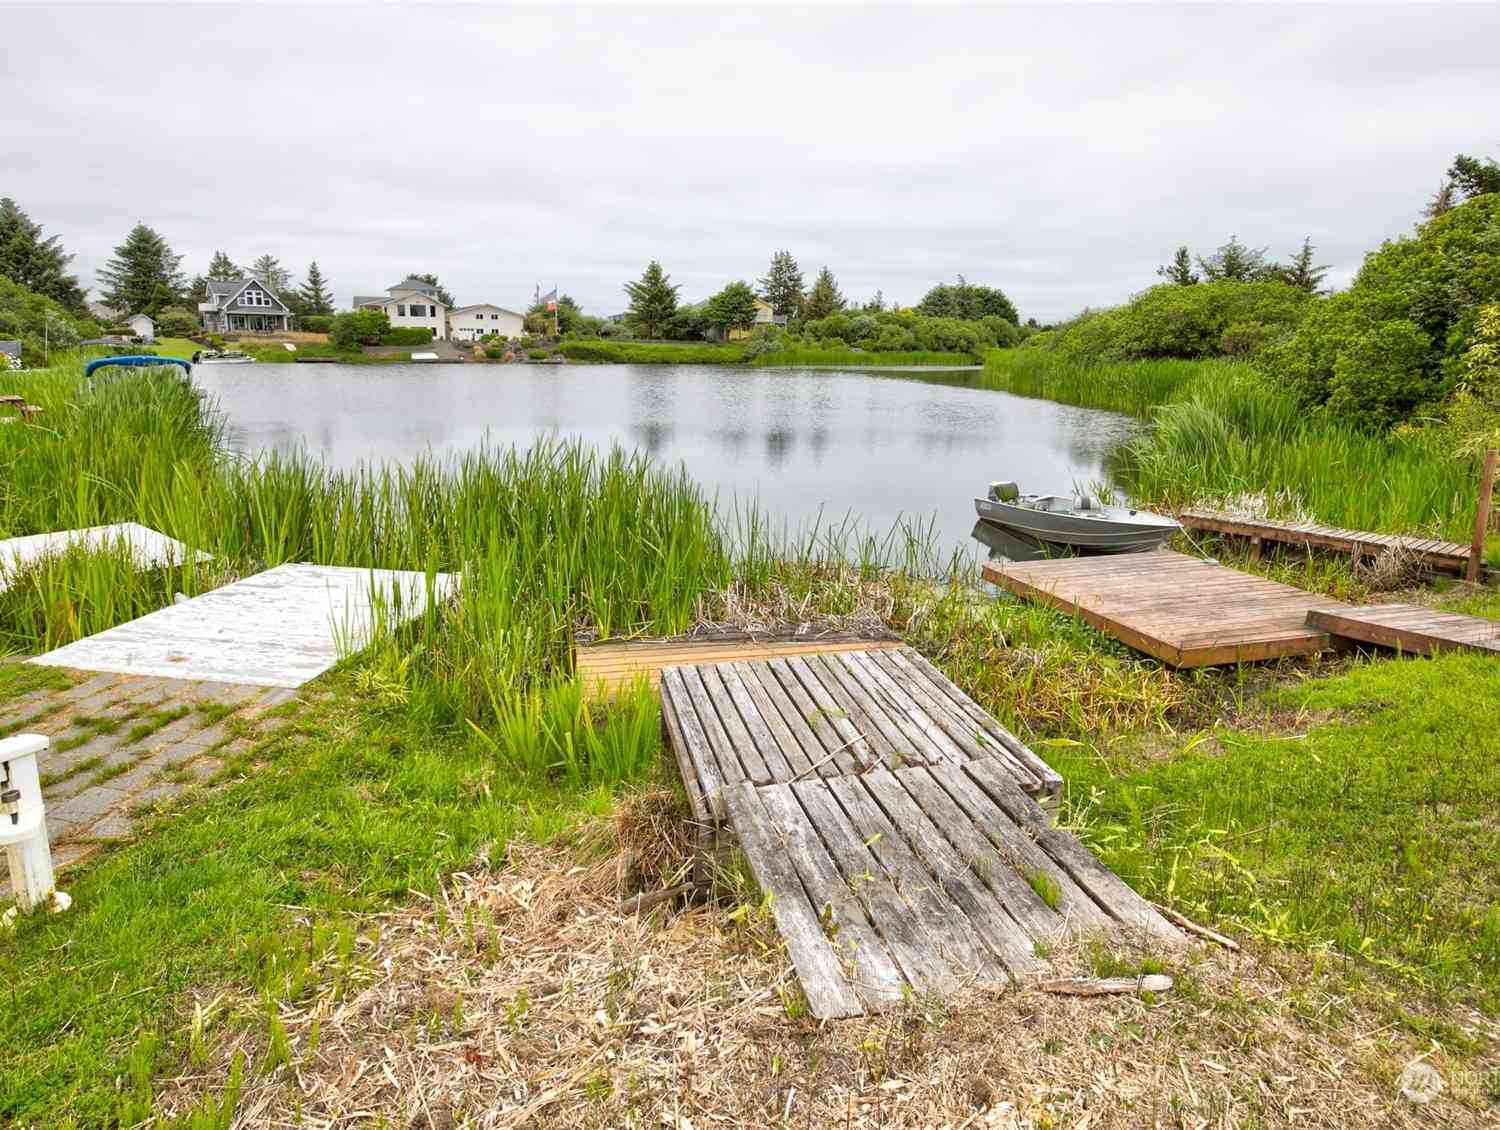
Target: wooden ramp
[(1410, 627), (1183, 611), (279, 628), (603, 668), (893, 822), (1444, 556), (148, 547)]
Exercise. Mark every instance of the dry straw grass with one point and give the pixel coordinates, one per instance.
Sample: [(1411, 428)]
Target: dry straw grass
[(522, 997)]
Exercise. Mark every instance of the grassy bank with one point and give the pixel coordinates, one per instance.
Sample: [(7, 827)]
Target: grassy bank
[(805, 355), (651, 353), (1338, 807), (1223, 435)]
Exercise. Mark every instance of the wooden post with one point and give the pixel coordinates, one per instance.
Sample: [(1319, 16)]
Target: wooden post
[(1482, 514)]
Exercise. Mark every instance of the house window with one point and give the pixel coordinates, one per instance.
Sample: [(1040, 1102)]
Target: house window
[(400, 310), (419, 311)]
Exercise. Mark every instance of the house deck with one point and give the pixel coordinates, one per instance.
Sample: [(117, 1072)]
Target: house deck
[(1183, 611), (896, 825)]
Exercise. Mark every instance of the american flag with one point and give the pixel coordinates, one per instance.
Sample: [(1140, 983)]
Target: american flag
[(550, 298)]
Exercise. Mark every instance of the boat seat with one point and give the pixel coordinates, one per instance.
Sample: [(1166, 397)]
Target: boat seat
[(1004, 491)]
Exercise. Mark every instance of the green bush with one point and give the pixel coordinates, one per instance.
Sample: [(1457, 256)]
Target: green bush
[(537, 354), (32, 317), (652, 353), (1418, 298), (358, 327), (315, 323), (407, 335), (177, 322), (494, 352)]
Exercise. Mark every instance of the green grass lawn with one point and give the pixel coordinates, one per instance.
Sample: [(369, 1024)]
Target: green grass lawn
[(351, 810)]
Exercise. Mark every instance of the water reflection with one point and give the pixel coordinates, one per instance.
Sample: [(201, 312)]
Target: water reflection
[(1005, 545), (801, 443)]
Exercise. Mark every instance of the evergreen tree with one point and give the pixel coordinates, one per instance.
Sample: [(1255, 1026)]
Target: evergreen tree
[(824, 297), (653, 301), (442, 292), (314, 293), (268, 269), (1443, 200), (733, 308), (967, 301), (143, 276), (1237, 262), (222, 267), (782, 286), (1180, 269), (1474, 177), (197, 292), (1301, 272), (876, 304), (36, 263)]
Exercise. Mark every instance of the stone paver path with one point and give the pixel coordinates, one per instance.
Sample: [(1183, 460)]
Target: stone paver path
[(124, 745)]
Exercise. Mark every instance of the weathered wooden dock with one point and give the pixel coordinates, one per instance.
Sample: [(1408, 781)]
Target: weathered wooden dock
[(900, 829), (1182, 610), (279, 628), (1409, 627), (1431, 553), (147, 547), (603, 668)]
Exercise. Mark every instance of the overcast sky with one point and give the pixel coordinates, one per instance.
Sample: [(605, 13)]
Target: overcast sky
[(1059, 153)]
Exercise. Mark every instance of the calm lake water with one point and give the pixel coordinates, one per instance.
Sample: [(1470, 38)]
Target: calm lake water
[(800, 441)]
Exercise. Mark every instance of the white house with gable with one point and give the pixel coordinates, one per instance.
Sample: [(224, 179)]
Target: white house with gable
[(470, 323), (410, 303)]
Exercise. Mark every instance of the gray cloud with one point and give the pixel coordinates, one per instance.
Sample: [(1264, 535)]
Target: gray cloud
[(1060, 153)]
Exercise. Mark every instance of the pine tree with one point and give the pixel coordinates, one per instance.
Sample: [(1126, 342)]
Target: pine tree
[(653, 300), (268, 269), (733, 308), (1301, 272), (1443, 200), (824, 297), (197, 291), (1237, 262), (36, 263), (1474, 177), (782, 286), (314, 292), (432, 280), (1180, 269), (143, 276), (222, 267), (876, 304)]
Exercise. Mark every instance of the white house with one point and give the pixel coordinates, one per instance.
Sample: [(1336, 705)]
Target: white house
[(142, 326), (470, 323), (410, 302), (243, 305)]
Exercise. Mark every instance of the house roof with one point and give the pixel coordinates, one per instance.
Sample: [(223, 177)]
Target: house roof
[(227, 290), (371, 300), (410, 282), (482, 306), (398, 295), (148, 318)]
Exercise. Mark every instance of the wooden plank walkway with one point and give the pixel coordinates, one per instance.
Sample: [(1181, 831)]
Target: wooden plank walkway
[(279, 628), (1183, 611), (1444, 556), (1412, 628), (148, 547), (896, 825), (603, 668)]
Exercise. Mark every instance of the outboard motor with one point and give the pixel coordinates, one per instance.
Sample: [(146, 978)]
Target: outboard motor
[(1004, 491)]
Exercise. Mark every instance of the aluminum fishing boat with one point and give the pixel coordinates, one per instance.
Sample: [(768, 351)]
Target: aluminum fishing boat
[(1080, 521)]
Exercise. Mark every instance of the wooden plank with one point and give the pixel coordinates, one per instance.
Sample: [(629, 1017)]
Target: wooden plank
[(147, 547), (834, 759), (879, 732), (757, 729), (279, 628), (672, 702), (851, 751), (747, 748), (1102, 884), (905, 937), (808, 752), (951, 934), (730, 769), (829, 993), (695, 743), (932, 743), (988, 916), (1419, 631), (874, 974), (1049, 779), (1022, 857), (1433, 552)]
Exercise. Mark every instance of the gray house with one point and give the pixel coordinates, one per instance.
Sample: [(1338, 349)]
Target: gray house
[(10, 354), (243, 306)]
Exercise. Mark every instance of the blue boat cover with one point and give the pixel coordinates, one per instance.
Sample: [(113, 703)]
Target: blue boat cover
[(141, 359)]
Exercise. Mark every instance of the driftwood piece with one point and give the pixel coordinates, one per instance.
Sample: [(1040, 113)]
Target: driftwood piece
[(1183, 922), (1106, 986), (639, 904)]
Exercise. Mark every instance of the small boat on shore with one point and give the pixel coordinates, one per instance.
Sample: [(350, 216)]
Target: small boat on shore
[(222, 357), (1080, 522)]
